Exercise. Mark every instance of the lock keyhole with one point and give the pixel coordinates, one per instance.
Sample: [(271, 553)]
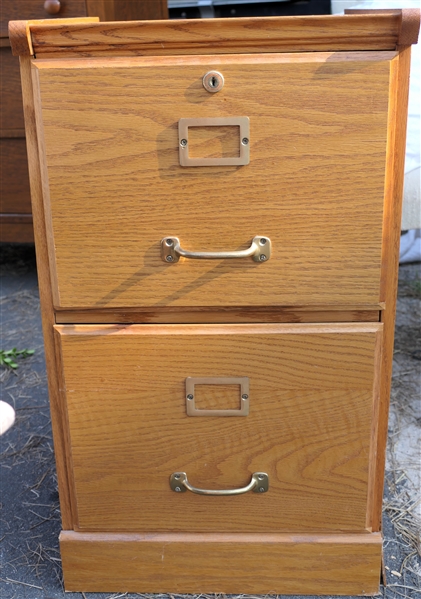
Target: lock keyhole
[(213, 81)]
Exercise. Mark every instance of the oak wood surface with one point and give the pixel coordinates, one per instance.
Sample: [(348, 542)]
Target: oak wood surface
[(409, 26), (318, 147), (14, 180), (20, 33), (222, 36), (11, 115), (58, 414), (319, 398), (221, 314), (222, 563), (311, 404), (400, 68)]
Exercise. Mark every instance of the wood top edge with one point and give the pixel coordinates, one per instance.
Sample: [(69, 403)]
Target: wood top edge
[(409, 22), (20, 38), (382, 30)]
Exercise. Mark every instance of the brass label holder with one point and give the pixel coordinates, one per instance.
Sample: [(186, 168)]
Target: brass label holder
[(243, 381), (243, 122)]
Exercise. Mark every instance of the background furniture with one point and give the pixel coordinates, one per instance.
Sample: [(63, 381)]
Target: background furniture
[(15, 201), (217, 215), (195, 9)]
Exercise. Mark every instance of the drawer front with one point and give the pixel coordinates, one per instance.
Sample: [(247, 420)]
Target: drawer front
[(114, 186), (11, 114), (15, 195), (312, 393), (15, 10)]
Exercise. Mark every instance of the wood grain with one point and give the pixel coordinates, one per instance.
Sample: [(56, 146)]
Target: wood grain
[(309, 427), (14, 182), (400, 68), (221, 314), (222, 36), (327, 140), (58, 414), (11, 114), (409, 26), (222, 563), (318, 150)]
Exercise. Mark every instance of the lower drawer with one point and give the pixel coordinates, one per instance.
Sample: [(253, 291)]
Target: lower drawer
[(309, 425)]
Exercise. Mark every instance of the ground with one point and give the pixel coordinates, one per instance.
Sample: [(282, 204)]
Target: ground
[(30, 515)]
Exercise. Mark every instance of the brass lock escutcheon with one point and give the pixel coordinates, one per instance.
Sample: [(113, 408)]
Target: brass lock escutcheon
[(213, 81)]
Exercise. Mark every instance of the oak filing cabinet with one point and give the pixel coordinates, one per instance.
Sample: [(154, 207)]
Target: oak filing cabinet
[(217, 218)]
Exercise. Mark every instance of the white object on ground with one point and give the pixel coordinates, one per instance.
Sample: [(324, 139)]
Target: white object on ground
[(410, 250), (411, 211), (7, 416)]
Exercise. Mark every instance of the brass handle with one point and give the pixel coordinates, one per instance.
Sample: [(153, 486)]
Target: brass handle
[(52, 6), (259, 250), (259, 484)]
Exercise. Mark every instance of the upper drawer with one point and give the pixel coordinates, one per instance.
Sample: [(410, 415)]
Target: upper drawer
[(13, 10), (114, 186)]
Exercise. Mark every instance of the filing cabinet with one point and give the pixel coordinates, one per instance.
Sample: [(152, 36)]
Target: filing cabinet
[(217, 210)]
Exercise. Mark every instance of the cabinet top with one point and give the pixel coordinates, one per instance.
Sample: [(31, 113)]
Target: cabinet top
[(356, 30)]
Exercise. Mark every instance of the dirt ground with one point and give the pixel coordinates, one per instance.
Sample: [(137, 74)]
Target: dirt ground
[(30, 515)]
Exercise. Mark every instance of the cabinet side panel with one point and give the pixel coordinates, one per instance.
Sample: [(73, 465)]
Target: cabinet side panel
[(47, 312), (45, 187), (398, 104)]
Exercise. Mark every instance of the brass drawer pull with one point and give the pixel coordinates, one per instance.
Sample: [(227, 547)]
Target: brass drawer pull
[(259, 484), (259, 250)]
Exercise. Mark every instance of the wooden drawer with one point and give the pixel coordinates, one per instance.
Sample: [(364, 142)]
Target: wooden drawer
[(312, 396), (11, 114), (114, 187), (14, 185), (13, 10)]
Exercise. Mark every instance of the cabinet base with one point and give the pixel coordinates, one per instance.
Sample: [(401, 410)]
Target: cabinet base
[(343, 564)]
